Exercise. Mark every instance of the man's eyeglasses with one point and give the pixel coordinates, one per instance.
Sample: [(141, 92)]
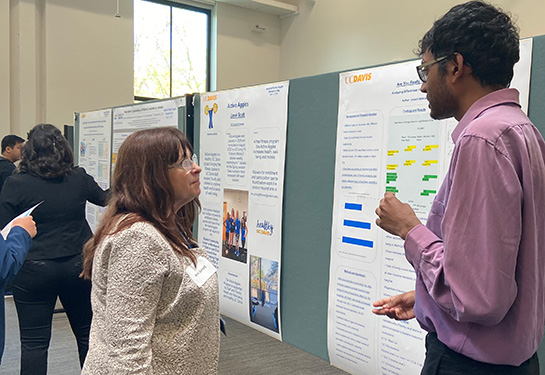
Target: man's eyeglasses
[(422, 70), (187, 164)]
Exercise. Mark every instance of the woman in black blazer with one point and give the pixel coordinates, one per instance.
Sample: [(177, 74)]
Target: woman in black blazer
[(47, 174)]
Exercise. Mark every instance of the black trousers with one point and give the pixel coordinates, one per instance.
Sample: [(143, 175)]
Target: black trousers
[(441, 360), (35, 291)]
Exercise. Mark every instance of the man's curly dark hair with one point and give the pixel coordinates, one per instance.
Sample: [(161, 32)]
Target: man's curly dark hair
[(484, 35)]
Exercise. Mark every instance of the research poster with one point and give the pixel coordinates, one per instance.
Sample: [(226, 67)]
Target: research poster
[(94, 150), (242, 152), (129, 119), (386, 141)]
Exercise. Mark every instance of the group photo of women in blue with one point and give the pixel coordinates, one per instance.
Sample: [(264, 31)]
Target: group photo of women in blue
[(235, 234)]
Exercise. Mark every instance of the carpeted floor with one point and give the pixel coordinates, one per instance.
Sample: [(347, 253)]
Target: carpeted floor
[(243, 351)]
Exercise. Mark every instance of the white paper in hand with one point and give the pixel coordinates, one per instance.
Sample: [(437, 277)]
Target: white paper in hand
[(7, 228)]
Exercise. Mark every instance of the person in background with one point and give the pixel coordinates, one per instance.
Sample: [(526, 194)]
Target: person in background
[(47, 174), (480, 259), (237, 233), (232, 229), (13, 251), (155, 294), (227, 224), (243, 230), (11, 152)]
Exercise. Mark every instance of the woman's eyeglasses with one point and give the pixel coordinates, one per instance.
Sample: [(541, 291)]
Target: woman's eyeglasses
[(187, 164)]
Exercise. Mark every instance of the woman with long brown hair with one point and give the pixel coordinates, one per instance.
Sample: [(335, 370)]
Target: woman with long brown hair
[(155, 294)]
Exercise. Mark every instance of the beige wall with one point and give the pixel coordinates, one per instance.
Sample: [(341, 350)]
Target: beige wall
[(246, 57), (62, 56), (58, 57), (330, 36), (25, 63), (88, 57), (4, 68)]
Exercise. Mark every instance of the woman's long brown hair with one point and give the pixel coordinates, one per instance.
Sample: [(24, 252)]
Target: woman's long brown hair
[(141, 191)]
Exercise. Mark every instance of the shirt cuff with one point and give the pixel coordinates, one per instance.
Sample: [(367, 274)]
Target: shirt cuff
[(418, 239), (20, 231)]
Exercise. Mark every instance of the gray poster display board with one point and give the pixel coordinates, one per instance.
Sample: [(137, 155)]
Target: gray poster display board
[(308, 199)]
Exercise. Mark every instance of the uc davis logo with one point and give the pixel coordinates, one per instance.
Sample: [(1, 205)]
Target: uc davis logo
[(357, 78), (264, 227), (209, 111)]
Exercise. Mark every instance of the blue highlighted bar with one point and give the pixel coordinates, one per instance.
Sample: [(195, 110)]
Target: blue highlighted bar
[(357, 224), (358, 241), (353, 206)]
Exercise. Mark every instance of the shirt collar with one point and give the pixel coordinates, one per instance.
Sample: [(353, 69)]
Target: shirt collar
[(499, 97)]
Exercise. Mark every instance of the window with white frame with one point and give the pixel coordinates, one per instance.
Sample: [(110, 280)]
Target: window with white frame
[(171, 49)]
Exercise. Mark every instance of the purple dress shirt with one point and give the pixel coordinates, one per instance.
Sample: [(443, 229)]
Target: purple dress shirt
[(480, 259)]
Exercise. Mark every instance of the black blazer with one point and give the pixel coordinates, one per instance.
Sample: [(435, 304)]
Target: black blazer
[(60, 219)]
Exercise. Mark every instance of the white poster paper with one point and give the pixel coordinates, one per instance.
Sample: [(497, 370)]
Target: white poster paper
[(132, 118), (94, 150), (242, 152), (386, 141), (5, 231)]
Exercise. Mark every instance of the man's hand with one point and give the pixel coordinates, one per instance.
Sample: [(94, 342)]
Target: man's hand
[(27, 224), (395, 217), (398, 307)]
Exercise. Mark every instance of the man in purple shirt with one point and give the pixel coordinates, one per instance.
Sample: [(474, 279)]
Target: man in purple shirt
[(480, 259)]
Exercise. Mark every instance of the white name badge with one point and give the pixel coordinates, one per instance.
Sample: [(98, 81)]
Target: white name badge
[(202, 272)]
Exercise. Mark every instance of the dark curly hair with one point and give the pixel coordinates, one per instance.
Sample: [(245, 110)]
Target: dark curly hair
[(484, 35), (46, 153)]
